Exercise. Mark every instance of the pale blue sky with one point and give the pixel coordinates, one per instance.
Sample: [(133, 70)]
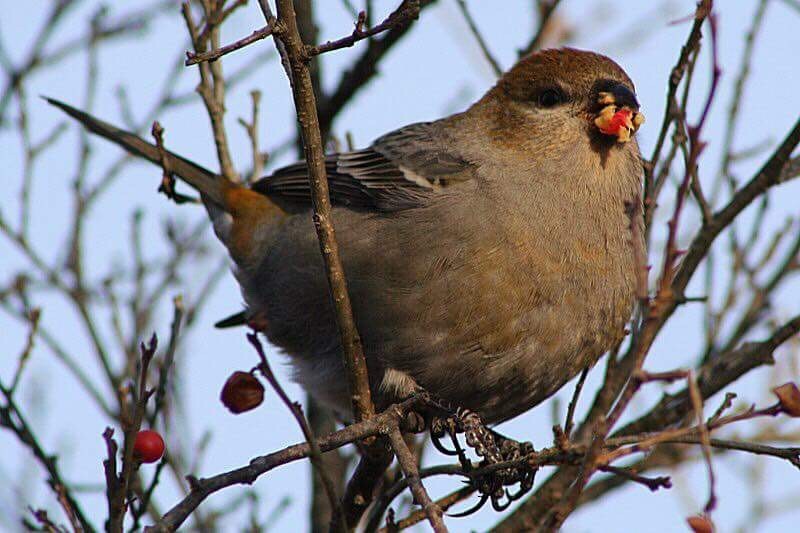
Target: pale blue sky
[(437, 69)]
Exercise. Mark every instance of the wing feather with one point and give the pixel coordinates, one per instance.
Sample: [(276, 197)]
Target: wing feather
[(401, 170)]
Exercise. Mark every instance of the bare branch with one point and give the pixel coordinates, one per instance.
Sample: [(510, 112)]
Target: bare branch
[(12, 417), (203, 488), (545, 8), (409, 466), (473, 28), (769, 176), (407, 10), (360, 73), (358, 379), (193, 58)]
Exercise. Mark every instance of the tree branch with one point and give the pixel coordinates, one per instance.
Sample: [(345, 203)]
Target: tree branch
[(203, 488), (407, 10), (305, 102)]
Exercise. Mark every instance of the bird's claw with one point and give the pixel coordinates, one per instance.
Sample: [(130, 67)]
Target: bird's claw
[(474, 509), (491, 447), (495, 483)]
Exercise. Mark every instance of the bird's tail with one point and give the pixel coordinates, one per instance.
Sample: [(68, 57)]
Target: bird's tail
[(207, 183), (237, 212)]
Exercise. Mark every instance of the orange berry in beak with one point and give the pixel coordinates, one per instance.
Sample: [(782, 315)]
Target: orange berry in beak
[(619, 123)]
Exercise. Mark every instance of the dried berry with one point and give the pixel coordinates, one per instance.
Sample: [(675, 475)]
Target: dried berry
[(789, 396), (148, 447), (242, 392), (700, 524)]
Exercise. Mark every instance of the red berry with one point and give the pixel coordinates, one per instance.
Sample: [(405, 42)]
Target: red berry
[(148, 446)]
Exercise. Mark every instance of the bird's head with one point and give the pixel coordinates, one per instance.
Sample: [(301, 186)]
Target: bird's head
[(560, 97)]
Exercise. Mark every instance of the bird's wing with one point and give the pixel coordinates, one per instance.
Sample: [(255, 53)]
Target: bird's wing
[(401, 170)]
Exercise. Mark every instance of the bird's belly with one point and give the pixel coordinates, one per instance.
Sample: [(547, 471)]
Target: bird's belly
[(548, 348), (475, 328), (498, 384)]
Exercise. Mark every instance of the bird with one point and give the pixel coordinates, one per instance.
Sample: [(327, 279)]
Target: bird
[(490, 255)]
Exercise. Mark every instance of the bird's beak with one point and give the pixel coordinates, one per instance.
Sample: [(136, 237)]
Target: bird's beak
[(619, 115)]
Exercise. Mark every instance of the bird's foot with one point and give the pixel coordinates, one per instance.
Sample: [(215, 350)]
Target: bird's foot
[(500, 471), (502, 465), (444, 419)]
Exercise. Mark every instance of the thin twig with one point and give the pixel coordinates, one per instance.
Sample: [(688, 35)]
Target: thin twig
[(193, 58), (375, 459), (568, 423), (443, 503), (12, 417), (407, 10), (671, 111), (705, 439), (546, 10), (409, 466), (473, 28), (660, 482), (212, 87), (131, 418), (297, 412), (33, 317), (259, 159), (360, 73)]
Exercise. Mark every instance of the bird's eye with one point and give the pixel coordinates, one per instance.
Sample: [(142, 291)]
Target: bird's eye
[(551, 97)]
